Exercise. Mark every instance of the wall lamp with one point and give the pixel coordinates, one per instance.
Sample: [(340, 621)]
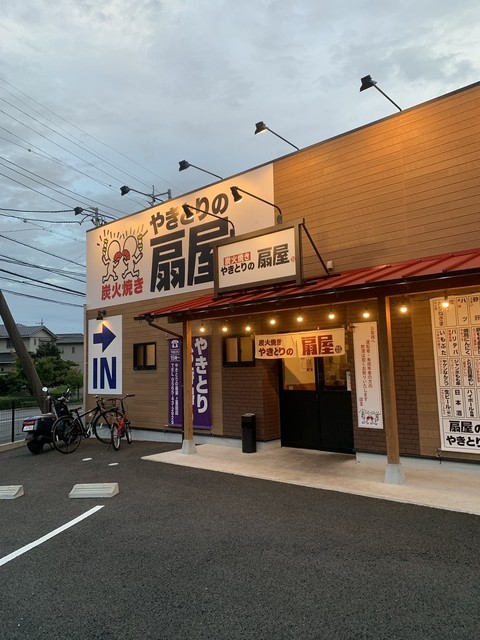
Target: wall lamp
[(101, 313), (183, 164), (238, 198), (368, 82), (153, 196), (261, 126), (189, 209)]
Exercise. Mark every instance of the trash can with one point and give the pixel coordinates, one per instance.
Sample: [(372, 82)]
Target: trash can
[(249, 433)]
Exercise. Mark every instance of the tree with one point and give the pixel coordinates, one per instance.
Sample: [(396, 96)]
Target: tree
[(51, 369), (47, 349)]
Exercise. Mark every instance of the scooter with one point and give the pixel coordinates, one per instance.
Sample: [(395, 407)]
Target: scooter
[(39, 428)]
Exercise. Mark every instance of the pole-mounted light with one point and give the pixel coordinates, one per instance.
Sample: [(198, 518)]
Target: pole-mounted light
[(261, 126), (238, 198), (183, 164), (368, 82), (153, 196), (97, 218), (189, 215)]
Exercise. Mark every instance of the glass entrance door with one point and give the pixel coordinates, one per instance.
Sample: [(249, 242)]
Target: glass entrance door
[(316, 404)]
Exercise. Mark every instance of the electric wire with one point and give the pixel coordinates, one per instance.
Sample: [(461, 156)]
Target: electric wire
[(25, 295), (79, 129)]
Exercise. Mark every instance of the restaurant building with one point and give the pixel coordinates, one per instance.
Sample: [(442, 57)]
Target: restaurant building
[(336, 306)]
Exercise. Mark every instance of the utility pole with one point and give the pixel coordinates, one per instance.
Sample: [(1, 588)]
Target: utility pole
[(22, 353)]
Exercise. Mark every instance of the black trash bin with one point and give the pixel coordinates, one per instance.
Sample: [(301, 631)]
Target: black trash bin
[(249, 433)]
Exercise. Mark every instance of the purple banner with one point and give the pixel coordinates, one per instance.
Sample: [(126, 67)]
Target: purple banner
[(175, 382), (201, 382)]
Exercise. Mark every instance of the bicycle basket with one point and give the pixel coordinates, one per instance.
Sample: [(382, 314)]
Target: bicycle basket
[(61, 409), (109, 403)]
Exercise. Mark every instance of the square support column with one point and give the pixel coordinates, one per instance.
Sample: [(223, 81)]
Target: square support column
[(393, 472)]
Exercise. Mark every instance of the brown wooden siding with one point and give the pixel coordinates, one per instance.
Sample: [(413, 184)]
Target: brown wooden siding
[(401, 188)]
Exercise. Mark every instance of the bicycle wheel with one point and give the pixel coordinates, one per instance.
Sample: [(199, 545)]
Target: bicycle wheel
[(103, 423), (66, 434), (128, 431), (116, 438)]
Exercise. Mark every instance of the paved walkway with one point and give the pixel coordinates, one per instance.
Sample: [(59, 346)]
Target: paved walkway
[(429, 483)]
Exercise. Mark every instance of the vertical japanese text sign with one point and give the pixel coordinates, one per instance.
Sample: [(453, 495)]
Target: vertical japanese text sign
[(367, 375), (200, 381)]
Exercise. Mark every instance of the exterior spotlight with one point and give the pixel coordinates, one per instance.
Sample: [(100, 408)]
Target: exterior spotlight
[(331, 314), (368, 82), (183, 164), (101, 313), (189, 215), (366, 312), (445, 302), (202, 328), (225, 327), (248, 327), (299, 317), (261, 126), (273, 321), (153, 196), (236, 191), (403, 307), (97, 218)]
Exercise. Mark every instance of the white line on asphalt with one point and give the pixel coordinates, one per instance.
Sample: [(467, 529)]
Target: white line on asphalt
[(46, 537)]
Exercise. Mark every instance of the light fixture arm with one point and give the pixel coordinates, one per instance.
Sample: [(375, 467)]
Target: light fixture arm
[(284, 139), (387, 97), (185, 165), (237, 197), (188, 212), (97, 219), (153, 196), (261, 126), (315, 249), (368, 82)]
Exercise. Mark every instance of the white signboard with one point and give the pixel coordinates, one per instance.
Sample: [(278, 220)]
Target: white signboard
[(367, 375), (456, 342), (259, 259), (105, 356), (309, 344), (160, 252)]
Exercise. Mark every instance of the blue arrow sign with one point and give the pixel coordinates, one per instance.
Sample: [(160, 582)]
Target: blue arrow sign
[(105, 337)]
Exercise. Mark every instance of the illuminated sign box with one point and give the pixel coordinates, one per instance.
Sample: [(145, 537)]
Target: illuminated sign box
[(270, 256)]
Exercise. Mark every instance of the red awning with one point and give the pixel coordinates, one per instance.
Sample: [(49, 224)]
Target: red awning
[(401, 278)]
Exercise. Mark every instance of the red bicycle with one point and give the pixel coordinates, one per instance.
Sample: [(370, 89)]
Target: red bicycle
[(121, 426)]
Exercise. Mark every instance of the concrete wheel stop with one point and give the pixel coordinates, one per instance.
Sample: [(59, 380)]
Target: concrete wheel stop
[(10, 492), (95, 490)]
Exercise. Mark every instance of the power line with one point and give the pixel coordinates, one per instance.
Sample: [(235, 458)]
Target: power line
[(25, 295), (53, 286), (24, 244), (79, 129)]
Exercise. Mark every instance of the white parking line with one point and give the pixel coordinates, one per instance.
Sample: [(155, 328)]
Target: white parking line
[(55, 532)]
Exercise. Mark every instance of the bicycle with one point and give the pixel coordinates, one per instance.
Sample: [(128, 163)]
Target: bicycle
[(68, 430), (122, 426)]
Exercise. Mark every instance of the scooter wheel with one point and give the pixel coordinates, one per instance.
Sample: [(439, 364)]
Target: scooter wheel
[(34, 446)]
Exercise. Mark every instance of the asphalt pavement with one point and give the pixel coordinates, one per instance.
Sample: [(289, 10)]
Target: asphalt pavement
[(183, 552)]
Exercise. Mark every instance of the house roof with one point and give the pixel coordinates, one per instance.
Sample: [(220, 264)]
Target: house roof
[(401, 278), (26, 331), (69, 338)]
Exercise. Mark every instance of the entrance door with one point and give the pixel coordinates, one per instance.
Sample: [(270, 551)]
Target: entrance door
[(315, 404)]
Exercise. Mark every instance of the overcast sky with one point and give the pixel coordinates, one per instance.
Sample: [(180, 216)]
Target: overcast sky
[(96, 94)]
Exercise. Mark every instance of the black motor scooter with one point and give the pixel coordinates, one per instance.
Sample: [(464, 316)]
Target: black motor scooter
[(39, 428)]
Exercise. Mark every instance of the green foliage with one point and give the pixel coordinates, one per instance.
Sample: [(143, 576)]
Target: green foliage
[(47, 349), (51, 369)]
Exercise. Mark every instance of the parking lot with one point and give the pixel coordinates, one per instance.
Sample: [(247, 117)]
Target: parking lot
[(188, 553)]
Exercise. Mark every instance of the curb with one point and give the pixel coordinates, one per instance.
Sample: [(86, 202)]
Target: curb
[(12, 445)]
